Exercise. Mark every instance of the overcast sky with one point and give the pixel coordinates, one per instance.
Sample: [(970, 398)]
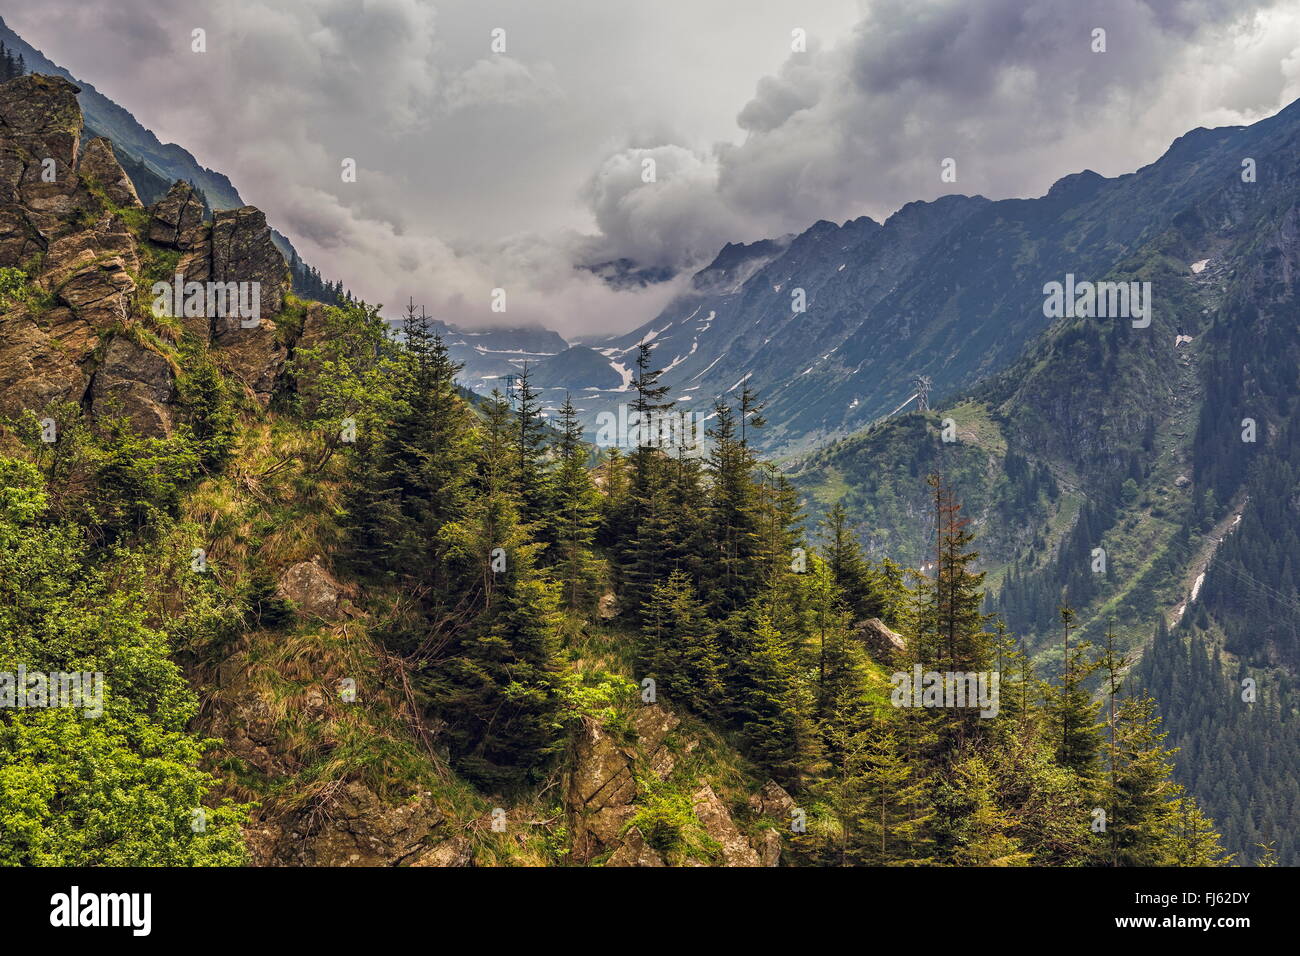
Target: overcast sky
[(480, 169)]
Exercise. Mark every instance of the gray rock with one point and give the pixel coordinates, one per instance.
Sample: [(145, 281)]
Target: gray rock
[(635, 852), (177, 221), (136, 382), (99, 164), (881, 642), (308, 585)]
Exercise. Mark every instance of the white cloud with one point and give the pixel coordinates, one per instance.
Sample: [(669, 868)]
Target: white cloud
[(479, 170)]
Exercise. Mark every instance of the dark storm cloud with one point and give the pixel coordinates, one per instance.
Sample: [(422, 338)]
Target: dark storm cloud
[(483, 170)]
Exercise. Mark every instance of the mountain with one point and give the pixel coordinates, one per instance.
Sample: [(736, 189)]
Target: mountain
[(347, 617), (172, 502), (152, 165), (491, 356), (1145, 477), (950, 289)]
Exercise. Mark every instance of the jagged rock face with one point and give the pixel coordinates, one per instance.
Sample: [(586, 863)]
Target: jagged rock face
[(41, 125), (136, 382), (99, 165), (242, 251), (35, 366), (603, 788), (254, 356), (177, 220), (235, 247), (76, 345)]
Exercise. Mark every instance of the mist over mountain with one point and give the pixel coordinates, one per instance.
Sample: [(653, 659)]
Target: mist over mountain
[(987, 558)]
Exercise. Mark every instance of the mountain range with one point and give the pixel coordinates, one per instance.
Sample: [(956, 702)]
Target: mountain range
[(1142, 469)]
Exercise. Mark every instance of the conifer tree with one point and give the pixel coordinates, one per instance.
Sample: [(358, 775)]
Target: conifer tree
[(413, 476), (879, 797), (950, 627), (573, 502), (496, 683), (678, 648), (1071, 709), (732, 577), (769, 704), (849, 569), (643, 527), (529, 451)]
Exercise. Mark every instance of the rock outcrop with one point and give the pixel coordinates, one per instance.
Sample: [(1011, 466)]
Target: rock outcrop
[(71, 337), (882, 643), (176, 221), (136, 382), (604, 787), (99, 166)]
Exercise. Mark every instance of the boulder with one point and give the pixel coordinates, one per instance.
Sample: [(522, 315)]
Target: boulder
[(607, 607), (309, 586), (882, 643), (635, 852), (772, 802), (456, 851), (602, 771), (718, 823)]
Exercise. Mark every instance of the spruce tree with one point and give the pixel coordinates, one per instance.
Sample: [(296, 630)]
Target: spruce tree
[(678, 648), (495, 683), (880, 799), (849, 569), (572, 505), (529, 451)]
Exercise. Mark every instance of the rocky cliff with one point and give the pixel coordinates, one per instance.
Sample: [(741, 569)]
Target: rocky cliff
[(78, 324)]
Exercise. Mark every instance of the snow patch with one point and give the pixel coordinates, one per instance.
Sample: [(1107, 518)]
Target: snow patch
[(624, 371)]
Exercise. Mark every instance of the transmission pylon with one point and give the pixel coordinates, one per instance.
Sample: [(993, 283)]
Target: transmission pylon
[(922, 383)]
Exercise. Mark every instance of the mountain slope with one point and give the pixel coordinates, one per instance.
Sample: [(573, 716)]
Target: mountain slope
[(951, 289), (1168, 452)]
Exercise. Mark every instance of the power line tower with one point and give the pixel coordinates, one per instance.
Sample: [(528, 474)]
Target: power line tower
[(922, 384)]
